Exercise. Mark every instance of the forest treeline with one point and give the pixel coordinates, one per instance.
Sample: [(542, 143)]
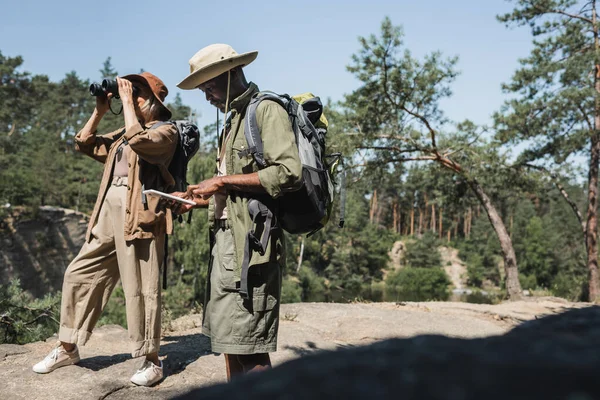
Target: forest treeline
[(518, 198)]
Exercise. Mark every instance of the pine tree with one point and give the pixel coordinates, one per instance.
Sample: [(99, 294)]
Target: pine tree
[(396, 118), (107, 70), (558, 108)]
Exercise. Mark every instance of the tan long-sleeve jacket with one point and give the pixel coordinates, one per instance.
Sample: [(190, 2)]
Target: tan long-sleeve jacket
[(152, 151)]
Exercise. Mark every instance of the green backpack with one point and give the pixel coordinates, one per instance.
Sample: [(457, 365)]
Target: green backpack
[(309, 208)]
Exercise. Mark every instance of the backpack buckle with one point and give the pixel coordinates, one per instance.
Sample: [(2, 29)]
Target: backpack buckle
[(256, 244), (247, 152)]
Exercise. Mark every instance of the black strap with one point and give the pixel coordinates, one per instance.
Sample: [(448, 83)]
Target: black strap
[(257, 211), (342, 199), (251, 130)]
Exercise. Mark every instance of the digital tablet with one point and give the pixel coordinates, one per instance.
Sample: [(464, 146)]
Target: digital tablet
[(152, 192)]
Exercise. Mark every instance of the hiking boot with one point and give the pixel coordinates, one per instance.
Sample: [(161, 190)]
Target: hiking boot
[(148, 374), (59, 357)]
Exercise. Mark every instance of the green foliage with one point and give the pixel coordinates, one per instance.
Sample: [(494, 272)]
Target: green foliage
[(537, 258), (291, 291), (417, 284), (189, 247), (528, 282), (385, 127), (313, 286), (24, 319), (481, 253), (555, 83), (423, 252), (114, 311)]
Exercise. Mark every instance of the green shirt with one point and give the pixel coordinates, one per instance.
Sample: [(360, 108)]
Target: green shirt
[(283, 173)]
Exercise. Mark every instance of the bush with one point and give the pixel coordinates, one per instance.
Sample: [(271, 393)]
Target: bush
[(528, 282), (481, 268), (417, 284), (423, 252), (377, 291), (24, 319), (114, 311), (291, 292), (313, 286), (570, 286)]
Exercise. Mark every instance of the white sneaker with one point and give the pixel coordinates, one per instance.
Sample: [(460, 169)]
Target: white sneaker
[(59, 357), (148, 374)]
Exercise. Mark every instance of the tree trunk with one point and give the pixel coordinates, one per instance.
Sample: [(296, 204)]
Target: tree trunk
[(300, 255), (412, 221), (420, 230), (440, 225), (373, 209), (513, 286), (395, 212), (470, 222), (467, 225), (591, 232), (591, 239), (378, 215), (433, 218), (426, 216)]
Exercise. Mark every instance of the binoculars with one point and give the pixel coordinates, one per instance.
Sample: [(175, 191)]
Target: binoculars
[(107, 86)]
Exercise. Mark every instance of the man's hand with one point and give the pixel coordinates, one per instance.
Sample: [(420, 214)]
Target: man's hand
[(207, 188), (182, 208)]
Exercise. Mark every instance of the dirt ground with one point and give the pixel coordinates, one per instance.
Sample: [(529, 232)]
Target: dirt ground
[(106, 365)]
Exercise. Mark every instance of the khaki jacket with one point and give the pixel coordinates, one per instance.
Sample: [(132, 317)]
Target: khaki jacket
[(149, 158), (282, 174)]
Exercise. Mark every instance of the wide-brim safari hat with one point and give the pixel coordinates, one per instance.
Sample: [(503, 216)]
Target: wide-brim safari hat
[(211, 62), (158, 88)]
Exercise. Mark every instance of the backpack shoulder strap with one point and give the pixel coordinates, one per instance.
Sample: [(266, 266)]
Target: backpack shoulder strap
[(251, 130), (161, 123)]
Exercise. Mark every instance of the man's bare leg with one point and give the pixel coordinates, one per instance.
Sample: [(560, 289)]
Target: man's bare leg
[(233, 366), (255, 362)]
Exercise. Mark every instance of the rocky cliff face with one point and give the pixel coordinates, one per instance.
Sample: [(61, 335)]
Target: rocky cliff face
[(38, 248)]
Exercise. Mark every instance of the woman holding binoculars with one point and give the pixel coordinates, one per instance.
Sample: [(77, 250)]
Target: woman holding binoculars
[(126, 232)]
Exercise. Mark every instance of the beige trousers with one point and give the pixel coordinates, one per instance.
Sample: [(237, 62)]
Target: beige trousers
[(93, 274)]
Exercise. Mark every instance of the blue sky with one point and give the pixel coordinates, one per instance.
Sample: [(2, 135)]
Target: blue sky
[(303, 46)]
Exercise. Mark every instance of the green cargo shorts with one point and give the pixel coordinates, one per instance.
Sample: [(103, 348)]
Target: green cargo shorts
[(236, 325)]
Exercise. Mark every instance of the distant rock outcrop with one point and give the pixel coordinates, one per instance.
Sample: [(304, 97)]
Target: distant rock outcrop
[(396, 255), (38, 248), (455, 268)]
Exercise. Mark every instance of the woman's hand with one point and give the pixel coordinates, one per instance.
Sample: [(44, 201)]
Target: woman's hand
[(103, 103), (125, 91)]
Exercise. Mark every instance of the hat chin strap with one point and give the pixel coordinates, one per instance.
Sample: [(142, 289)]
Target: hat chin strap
[(225, 119), (227, 96)]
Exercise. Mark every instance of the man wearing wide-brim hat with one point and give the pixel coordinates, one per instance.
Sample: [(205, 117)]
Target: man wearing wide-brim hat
[(244, 328)]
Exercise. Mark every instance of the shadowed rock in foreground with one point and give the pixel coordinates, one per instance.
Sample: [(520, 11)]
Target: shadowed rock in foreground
[(306, 329), (556, 357)]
